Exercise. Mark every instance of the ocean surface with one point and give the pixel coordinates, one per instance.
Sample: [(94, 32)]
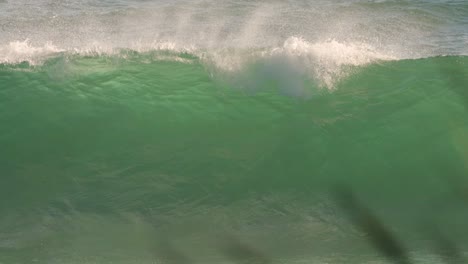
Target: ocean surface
[(221, 131)]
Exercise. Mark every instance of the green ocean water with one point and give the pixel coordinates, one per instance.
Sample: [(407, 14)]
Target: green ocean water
[(103, 156), (241, 132)]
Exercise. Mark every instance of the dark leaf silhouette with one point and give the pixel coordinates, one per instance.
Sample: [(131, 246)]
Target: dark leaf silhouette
[(240, 252), (379, 235)]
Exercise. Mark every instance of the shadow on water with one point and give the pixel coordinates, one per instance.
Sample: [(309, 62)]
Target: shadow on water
[(445, 248), (240, 252), (385, 241), (169, 254), (376, 232), (228, 245)]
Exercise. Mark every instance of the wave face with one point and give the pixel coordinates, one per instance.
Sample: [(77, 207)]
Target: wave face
[(135, 131)]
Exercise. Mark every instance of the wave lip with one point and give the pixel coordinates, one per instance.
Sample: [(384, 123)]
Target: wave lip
[(22, 51), (325, 62)]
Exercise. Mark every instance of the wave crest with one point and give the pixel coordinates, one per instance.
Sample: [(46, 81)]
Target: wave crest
[(325, 62)]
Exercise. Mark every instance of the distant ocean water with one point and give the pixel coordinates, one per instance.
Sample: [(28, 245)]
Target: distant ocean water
[(162, 131)]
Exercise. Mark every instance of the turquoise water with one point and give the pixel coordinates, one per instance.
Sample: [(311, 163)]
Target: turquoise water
[(222, 131)]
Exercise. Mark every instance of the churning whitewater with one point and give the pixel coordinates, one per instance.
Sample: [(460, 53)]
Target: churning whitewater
[(180, 132)]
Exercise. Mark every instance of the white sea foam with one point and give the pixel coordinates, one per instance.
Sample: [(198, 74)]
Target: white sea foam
[(23, 51), (320, 41), (325, 62)]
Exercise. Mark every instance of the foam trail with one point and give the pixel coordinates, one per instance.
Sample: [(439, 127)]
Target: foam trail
[(322, 38), (326, 62), (21, 51)]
